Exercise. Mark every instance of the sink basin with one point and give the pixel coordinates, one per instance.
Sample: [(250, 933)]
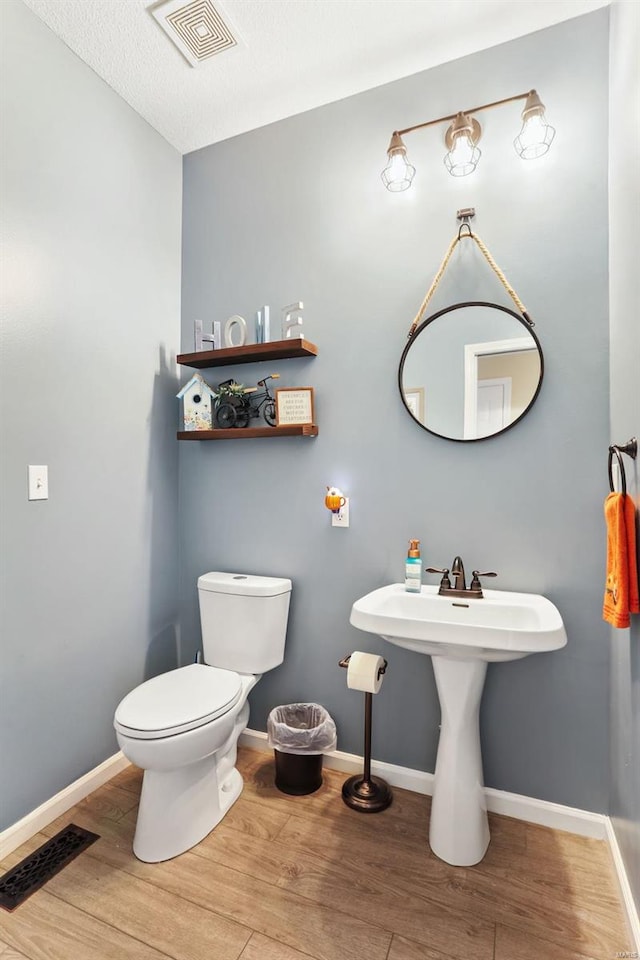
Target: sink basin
[(501, 626), (462, 636)]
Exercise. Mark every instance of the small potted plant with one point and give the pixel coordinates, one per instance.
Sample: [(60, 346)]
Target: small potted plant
[(231, 405)]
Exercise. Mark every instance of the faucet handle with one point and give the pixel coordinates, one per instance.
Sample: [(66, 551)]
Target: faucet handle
[(445, 582), (475, 583)]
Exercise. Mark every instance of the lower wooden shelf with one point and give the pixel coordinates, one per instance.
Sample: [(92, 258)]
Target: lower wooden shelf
[(250, 433)]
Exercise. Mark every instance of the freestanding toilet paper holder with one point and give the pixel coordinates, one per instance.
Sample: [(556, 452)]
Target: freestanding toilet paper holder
[(365, 793)]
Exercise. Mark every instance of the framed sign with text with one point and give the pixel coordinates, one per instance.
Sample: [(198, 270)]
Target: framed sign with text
[(294, 405)]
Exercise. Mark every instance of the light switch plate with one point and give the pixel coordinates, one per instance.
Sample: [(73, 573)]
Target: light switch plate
[(38, 482)]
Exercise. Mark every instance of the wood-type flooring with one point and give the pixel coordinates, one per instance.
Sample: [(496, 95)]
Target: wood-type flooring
[(293, 878)]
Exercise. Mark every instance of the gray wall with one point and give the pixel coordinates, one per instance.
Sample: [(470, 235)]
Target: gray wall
[(624, 211), (91, 266), (296, 210)]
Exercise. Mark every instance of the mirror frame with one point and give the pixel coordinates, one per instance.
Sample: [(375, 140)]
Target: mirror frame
[(450, 309)]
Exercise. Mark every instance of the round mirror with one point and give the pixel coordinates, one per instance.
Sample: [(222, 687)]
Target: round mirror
[(471, 371)]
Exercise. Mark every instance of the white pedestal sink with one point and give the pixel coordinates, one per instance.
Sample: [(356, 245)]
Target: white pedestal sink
[(461, 636)]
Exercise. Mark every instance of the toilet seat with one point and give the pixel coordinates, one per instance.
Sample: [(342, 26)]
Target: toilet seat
[(175, 702)]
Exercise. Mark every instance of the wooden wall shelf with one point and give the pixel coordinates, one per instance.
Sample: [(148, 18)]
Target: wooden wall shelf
[(250, 433), (249, 353)]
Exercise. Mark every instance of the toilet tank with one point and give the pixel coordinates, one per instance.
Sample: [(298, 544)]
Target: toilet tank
[(243, 620)]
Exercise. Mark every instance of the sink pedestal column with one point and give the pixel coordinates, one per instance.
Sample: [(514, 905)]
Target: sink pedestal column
[(459, 829)]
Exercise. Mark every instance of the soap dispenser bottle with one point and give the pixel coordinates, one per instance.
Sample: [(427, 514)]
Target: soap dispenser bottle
[(413, 568)]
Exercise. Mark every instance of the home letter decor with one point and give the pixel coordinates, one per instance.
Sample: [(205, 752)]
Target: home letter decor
[(263, 333), (292, 317), (235, 321), (200, 338)]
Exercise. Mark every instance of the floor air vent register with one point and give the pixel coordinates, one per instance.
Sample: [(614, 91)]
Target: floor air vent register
[(43, 864)]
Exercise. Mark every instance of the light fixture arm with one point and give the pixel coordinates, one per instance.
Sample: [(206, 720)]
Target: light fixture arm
[(452, 116), (461, 139)]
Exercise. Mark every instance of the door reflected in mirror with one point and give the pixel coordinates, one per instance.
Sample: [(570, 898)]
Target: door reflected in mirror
[(471, 371)]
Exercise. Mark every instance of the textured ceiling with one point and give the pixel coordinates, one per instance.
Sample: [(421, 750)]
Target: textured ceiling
[(292, 55)]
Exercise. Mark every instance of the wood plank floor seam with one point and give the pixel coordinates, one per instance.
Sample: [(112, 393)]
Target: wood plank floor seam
[(484, 877), (277, 835), (157, 882), (40, 904), (551, 947), (298, 896), (299, 954), (108, 924), (158, 885)]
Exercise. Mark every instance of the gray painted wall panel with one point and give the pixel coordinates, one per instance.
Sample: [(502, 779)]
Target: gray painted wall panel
[(296, 210), (624, 211), (91, 274)]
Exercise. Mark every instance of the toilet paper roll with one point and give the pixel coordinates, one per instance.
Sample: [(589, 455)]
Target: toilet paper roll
[(363, 672)]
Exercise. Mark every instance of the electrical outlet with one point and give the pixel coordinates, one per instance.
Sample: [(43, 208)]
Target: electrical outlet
[(341, 518), (38, 482)]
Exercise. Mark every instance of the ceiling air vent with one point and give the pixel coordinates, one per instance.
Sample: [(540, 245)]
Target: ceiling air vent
[(196, 28)]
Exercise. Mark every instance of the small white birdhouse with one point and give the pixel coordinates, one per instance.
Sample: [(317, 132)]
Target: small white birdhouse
[(197, 397)]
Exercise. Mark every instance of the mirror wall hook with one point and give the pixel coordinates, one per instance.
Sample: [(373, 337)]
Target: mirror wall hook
[(465, 216)]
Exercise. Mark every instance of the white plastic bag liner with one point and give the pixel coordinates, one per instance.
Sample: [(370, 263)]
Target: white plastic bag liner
[(301, 728)]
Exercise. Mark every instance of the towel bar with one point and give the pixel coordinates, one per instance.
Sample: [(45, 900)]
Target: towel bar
[(616, 449)]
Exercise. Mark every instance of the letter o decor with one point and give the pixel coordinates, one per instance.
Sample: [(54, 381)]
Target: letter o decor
[(235, 321)]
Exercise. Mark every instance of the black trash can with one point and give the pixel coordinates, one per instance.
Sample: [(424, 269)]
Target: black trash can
[(300, 733), (298, 774)]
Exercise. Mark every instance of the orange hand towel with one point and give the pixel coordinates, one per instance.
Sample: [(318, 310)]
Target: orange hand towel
[(621, 589)]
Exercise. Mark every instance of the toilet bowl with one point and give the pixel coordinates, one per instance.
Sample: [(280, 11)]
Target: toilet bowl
[(182, 727)]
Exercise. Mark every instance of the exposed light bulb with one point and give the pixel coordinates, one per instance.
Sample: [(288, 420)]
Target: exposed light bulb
[(398, 173), (461, 138), (536, 135), (463, 158)]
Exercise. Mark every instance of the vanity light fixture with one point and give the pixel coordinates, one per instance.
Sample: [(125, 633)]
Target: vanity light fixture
[(462, 137), (398, 173), (536, 135)]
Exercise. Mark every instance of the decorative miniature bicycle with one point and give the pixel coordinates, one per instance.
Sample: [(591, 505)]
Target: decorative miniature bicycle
[(237, 405)]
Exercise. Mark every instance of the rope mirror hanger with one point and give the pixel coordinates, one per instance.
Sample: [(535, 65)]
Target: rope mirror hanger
[(465, 216)]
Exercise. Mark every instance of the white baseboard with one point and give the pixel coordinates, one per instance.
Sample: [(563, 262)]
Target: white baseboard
[(547, 814), (543, 812), (416, 780), (630, 906), (50, 810)]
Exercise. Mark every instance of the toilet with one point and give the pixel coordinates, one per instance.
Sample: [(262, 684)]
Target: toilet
[(182, 727)]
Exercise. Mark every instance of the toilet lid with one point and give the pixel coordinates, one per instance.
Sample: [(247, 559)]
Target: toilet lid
[(177, 701)]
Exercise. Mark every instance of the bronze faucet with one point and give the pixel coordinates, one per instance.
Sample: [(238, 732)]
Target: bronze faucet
[(459, 588), (459, 580)]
